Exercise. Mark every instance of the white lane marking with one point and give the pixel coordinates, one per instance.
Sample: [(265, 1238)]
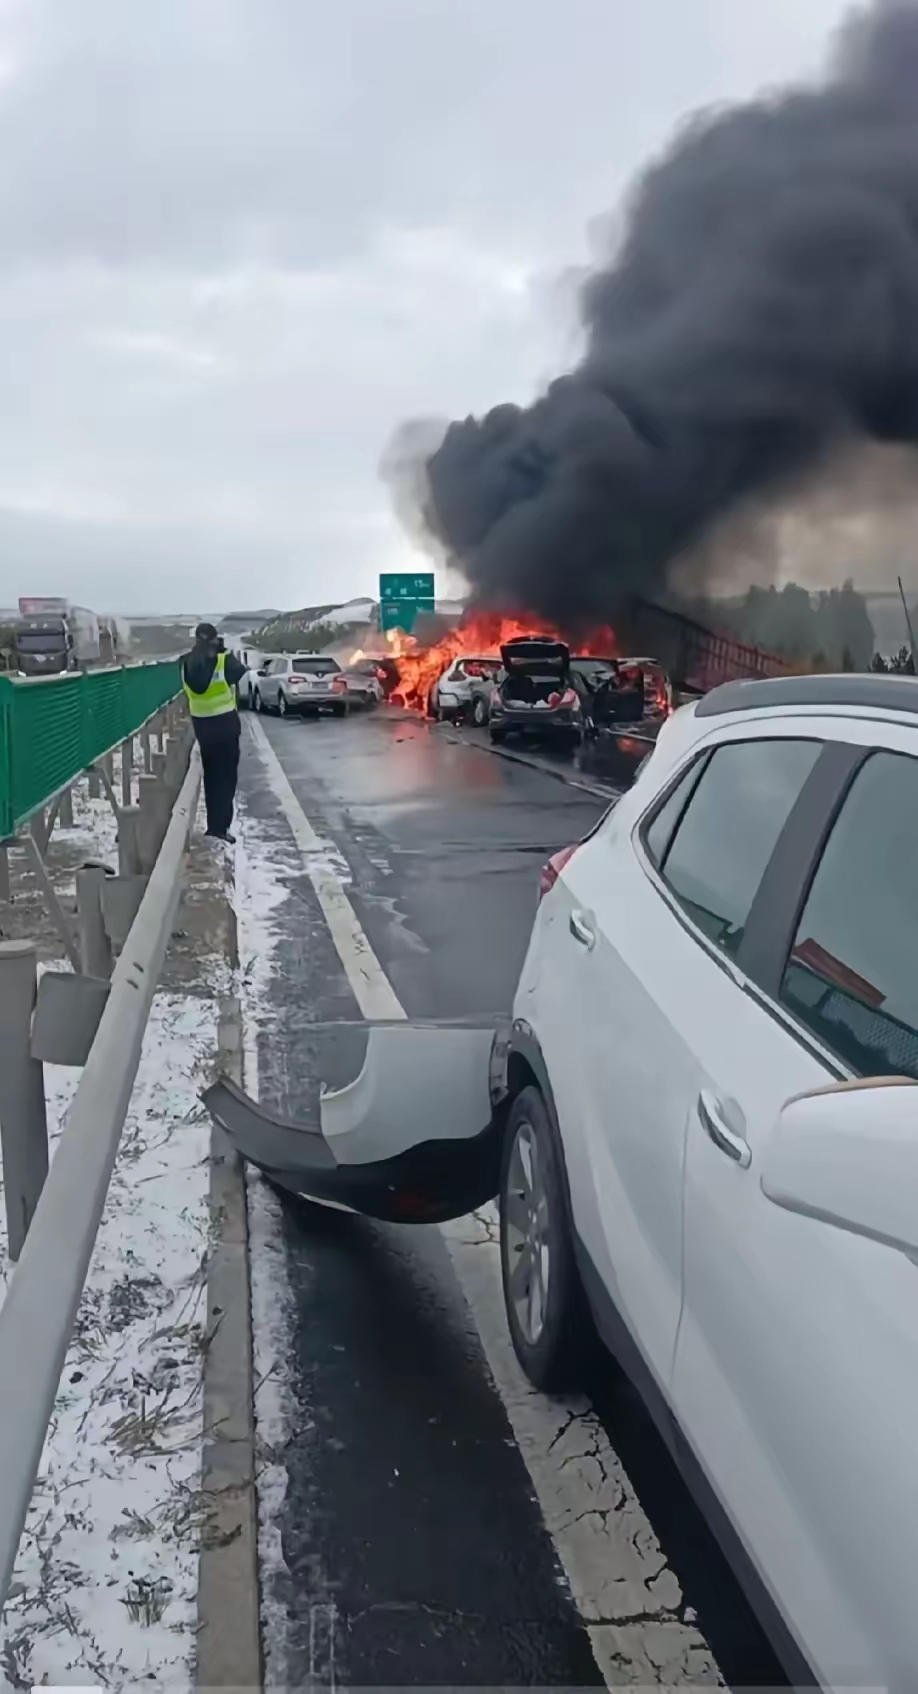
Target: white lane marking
[(610, 1555), (626, 1593), (373, 991)]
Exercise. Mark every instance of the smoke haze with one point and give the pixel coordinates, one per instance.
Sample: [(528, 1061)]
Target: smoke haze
[(759, 320)]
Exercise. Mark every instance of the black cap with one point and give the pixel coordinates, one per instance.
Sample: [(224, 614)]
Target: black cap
[(206, 632)]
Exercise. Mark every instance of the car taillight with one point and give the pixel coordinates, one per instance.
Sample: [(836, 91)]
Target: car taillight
[(551, 871), (339, 686)]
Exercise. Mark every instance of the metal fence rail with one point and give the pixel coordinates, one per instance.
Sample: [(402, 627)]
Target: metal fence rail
[(37, 1317), (55, 727)]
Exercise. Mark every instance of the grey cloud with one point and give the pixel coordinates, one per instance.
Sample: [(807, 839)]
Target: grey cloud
[(240, 239)]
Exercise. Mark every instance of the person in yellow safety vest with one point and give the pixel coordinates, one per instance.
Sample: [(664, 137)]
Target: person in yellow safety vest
[(209, 678)]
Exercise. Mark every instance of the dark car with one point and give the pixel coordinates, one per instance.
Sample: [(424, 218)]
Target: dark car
[(623, 717), (536, 696)]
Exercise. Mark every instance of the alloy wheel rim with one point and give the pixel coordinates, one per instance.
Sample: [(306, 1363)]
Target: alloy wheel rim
[(528, 1234)]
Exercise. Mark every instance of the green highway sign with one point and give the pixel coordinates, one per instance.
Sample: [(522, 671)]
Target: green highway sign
[(403, 595)]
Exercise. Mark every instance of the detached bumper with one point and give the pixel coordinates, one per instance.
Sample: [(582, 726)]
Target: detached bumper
[(415, 1137)]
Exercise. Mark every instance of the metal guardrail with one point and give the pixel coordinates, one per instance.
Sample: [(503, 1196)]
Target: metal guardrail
[(38, 1314), (52, 728)]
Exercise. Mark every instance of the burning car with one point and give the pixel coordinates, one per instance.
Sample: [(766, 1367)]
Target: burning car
[(623, 716), (464, 689), (536, 696)]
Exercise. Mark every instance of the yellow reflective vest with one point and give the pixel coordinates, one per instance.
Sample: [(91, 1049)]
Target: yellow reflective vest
[(218, 696)]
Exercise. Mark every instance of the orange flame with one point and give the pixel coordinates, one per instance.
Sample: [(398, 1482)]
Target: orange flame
[(479, 637)]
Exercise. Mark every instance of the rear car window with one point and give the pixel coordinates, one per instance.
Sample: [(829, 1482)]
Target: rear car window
[(659, 833), (852, 975), (315, 667), (729, 830)]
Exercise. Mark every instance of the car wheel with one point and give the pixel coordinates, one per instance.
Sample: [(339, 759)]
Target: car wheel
[(433, 710), (259, 706), (480, 712), (282, 705), (545, 1304), (339, 709), (497, 735)]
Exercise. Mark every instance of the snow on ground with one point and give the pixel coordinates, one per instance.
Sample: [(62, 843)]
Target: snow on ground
[(260, 892), (105, 1586)]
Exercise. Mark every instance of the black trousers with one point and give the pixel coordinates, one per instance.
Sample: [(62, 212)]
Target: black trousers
[(218, 739)]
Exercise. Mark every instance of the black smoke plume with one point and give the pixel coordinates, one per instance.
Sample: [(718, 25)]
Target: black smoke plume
[(762, 310)]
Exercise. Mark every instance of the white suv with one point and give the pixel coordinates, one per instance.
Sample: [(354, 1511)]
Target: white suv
[(712, 1152), (702, 1125), (301, 683)]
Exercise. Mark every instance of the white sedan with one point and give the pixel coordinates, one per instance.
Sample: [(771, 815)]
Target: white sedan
[(712, 1153)]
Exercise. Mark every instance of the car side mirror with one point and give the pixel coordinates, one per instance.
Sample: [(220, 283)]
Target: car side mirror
[(848, 1156)]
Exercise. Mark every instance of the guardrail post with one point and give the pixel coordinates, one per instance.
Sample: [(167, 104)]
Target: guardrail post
[(159, 764), (147, 749), (23, 1121), (108, 765), (6, 892), (95, 785), (65, 815), (127, 771), (154, 816), (129, 841), (95, 947), (38, 830)]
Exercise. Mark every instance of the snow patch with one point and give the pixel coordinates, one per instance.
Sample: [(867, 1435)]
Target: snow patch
[(105, 1586)]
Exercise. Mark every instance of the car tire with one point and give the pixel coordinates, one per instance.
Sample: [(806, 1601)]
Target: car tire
[(546, 1308), (480, 712), (497, 735), (258, 702), (339, 709), (282, 710), (433, 711)]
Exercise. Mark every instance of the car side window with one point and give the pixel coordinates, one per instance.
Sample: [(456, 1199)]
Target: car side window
[(729, 830), (852, 975), (659, 832)]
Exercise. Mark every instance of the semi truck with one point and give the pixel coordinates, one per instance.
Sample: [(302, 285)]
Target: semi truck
[(53, 635)]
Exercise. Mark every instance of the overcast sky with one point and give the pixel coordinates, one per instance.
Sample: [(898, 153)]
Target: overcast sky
[(241, 240)]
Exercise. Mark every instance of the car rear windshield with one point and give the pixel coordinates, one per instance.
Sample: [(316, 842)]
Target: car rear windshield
[(478, 667), (315, 667)]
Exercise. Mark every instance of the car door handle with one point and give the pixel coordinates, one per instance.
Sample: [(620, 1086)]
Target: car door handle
[(714, 1123), (582, 930)]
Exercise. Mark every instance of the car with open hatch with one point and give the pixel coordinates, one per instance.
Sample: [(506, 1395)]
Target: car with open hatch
[(535, 697)]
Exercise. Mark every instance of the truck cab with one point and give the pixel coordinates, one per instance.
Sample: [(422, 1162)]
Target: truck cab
[(43, 646)]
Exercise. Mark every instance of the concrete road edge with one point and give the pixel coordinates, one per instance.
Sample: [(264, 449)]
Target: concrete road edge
[(228, 1633)]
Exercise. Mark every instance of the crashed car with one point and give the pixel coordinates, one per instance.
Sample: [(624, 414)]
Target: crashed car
[(700, 1126), (623, 715), (464, 690), (536, 696), (382, 670)]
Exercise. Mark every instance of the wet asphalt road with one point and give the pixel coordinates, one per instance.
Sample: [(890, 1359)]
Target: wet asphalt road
[(416, 1548)]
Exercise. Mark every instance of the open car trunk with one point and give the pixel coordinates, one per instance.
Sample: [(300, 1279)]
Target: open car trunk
[(528, 690), (537, 670), (413, 1137)]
